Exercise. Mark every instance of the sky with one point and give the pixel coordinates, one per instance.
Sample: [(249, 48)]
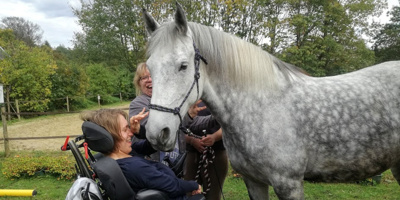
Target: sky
[(57, 21), (54, 17)]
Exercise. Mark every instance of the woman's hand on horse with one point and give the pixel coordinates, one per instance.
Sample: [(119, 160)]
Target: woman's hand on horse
[(135, 121), (194, 109)]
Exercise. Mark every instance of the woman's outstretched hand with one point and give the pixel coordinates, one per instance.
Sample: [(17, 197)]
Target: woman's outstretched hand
[(194, 109), (135, 121)]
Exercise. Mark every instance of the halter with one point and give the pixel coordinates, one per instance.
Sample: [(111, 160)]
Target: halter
[(176, 110)]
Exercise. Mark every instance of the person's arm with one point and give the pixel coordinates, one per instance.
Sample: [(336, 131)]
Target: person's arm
[(137, 105), (143, 147), (195, 142), (201, 123), (210, 139), (151, 177)]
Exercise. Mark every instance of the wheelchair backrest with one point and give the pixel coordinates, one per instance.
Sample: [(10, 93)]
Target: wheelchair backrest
[(97, 137), (112, 179)]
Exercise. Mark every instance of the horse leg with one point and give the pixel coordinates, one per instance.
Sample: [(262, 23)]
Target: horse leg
[(396, 172), (256, 190), (289, 190)]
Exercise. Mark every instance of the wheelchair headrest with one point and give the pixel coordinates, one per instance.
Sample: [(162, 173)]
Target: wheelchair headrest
[(97, 138)]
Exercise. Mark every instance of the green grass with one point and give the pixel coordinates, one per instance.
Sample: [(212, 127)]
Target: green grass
[(235, 189), (49, 187)]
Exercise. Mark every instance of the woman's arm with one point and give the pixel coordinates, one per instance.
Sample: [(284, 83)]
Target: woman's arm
[(160, 177)]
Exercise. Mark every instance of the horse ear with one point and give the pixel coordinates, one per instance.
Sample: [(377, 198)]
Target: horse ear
[(151, 24), (180, 19)]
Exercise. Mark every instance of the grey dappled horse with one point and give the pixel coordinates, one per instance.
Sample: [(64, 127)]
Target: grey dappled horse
[(280, 126)]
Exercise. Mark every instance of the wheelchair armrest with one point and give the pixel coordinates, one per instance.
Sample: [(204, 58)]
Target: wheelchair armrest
[(149, 194)]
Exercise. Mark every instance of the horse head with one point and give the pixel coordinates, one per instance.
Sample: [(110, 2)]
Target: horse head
[(176, 83)]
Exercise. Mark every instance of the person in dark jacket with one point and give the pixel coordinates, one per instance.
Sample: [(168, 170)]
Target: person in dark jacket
[(140, 172), (216, 170)]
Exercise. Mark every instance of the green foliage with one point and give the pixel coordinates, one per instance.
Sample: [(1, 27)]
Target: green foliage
[(114, 32), (69, 79), (387, 45), (124, 82), (325, 38), (78, 103), (27, 165), (102, 80), (107, 99), (26, 72)]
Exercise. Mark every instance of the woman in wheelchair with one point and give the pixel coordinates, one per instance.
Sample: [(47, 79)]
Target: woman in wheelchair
[(140, 172)]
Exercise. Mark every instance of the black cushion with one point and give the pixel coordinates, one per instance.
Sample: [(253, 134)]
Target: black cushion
[(112, 179), (149, 194), (97, 138)]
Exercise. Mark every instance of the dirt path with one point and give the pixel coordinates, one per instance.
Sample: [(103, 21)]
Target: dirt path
[(53, 125)]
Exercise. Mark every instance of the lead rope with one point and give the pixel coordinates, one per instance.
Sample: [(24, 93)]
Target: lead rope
[(204, 160), (206, 157)]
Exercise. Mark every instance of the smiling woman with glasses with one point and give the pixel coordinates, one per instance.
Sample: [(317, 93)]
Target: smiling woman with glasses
[(143, 88)]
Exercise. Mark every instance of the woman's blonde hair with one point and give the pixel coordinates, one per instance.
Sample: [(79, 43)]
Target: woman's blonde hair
[(140, 70), (108, 119)]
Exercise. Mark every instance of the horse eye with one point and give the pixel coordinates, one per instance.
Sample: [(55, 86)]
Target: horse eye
[(183, 67)]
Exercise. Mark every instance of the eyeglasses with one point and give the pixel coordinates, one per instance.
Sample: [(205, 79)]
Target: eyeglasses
[(145, 78)]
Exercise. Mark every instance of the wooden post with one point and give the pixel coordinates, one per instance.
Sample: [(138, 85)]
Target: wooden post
[(120, 97), (67, 104), (98, 100), (16, 105), (8, 102), (5, 133)]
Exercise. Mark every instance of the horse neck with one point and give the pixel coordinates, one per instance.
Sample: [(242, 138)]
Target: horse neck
[(236, 67), (238, 63)]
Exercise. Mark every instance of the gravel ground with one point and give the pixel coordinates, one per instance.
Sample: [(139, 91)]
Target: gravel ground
[(52, 125)]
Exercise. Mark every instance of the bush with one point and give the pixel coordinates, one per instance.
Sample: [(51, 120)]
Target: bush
[(78, 103), (107, 99), (21, 166)]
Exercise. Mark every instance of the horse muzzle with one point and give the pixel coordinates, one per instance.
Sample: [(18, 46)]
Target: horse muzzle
[(162, 140)]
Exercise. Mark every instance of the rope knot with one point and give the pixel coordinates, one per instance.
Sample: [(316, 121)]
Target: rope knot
[(197, 76), (177, 110)]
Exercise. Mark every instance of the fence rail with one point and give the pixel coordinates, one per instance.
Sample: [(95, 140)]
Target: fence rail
[(6, 139), (14, 105), (34, 138)]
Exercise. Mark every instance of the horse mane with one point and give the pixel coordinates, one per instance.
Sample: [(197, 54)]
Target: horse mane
[(236, 61)]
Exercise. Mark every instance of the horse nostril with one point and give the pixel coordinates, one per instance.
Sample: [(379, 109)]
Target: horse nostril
[(165, 133)]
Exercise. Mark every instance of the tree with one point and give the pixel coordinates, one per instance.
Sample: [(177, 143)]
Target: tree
[(325, 36), (24, 30), (102, 80), (114, 32), (26, 72), (387, 45), (322, 37), (69, 79)]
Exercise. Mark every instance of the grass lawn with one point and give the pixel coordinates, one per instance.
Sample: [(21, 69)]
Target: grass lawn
[(49, 187)]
